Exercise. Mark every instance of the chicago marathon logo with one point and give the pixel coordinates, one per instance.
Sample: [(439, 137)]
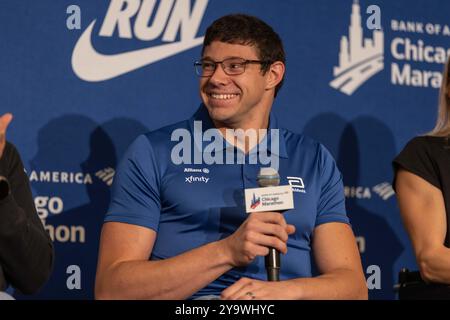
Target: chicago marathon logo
[(359, 58), (256, 201)]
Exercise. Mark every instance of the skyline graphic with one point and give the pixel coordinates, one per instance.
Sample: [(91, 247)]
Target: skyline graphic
[(359, 58)]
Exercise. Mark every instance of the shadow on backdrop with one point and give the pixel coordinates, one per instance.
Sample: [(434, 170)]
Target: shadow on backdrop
[(86, 154), (364, 149)]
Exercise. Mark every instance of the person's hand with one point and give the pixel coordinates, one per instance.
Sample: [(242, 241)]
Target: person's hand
[(4, 122), (260, 231), (251, 289)]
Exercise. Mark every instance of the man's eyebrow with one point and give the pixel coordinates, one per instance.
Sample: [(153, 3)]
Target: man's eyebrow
[(226, 58)]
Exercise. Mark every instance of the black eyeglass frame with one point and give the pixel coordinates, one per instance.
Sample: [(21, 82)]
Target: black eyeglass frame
[(242, 61)]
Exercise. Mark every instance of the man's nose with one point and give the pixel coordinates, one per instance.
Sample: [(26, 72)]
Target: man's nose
[(219, 77)]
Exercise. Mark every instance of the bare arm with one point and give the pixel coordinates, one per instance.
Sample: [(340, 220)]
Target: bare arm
[(124, 271), (423, 212), (338, 261)]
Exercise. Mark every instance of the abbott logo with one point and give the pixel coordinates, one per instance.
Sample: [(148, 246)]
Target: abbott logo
[(171, 16), (297, 184), (359, 58)]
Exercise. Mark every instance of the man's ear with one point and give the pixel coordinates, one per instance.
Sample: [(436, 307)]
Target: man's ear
[(275, 74)]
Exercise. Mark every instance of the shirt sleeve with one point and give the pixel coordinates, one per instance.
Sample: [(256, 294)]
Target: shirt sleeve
[(416, 158), (331, 204), (135, 197)]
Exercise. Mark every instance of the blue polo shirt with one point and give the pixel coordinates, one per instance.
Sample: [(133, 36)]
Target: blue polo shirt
[(190, 205)]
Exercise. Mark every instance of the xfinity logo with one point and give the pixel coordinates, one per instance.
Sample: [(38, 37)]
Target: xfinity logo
[(193, 179), (359, 58), (170, 16)]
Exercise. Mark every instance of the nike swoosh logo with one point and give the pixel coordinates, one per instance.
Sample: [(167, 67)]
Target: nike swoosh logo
[(89, 65)]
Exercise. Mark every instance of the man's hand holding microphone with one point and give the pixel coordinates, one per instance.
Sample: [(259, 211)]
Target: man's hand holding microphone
[(264, 233), (259, 232)]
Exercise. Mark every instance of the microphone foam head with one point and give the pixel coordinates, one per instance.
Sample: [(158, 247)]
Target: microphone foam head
[(268, 177)]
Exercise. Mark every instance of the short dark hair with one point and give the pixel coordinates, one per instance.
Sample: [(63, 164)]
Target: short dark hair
[(248, 30)]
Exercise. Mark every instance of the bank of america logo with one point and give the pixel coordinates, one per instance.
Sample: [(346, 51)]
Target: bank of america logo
[(255, 202), (384, 190), (359, 58), (106, 175)]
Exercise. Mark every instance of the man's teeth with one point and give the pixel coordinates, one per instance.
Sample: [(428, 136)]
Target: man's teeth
[(223, 96)]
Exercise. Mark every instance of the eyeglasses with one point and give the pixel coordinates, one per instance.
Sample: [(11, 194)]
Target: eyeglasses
[(231, 66)]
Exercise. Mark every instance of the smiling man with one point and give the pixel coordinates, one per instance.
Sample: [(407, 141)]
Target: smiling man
[(179, 231)]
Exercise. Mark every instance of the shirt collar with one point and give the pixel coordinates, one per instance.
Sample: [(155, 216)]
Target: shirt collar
[(202, 115)]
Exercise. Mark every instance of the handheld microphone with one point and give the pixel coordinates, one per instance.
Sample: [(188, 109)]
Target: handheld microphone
[(270, 196), (269, 177)]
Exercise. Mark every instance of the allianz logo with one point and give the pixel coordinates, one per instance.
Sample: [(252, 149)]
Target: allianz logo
[(145, 21), (196, 170), (106, 175), (384, 190)]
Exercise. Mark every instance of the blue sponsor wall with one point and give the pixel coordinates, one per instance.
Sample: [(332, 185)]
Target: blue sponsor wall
[(81, 95)]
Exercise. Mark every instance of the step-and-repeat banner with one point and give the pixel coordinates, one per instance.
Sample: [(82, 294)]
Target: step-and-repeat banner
[(84, 78)]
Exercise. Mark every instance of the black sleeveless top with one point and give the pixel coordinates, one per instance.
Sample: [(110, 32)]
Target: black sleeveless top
[(429, 158)]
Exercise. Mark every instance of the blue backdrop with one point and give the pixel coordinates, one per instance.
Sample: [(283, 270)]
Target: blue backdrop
[(81, 95)]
